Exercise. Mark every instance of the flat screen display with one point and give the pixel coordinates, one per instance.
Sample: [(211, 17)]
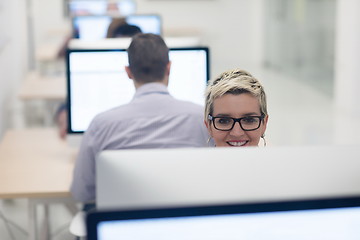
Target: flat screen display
[(97, 81), (95, 27), (280, 221), (101, 7), (91, 28), (146, 22)]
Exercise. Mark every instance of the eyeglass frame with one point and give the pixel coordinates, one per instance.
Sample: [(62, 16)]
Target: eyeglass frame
[(235, 120)]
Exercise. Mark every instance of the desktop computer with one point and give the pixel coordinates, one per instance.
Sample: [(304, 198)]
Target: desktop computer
[(97, 81)]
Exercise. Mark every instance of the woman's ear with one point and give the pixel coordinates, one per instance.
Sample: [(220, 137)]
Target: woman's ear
[(265, 120), (207, 124)]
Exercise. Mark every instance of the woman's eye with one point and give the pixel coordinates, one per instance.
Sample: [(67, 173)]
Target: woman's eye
[(224, 121), (250, 120)]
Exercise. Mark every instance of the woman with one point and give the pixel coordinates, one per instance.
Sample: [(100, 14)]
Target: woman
[(235, 110)]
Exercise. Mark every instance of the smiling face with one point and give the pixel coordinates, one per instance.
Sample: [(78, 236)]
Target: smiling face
[(236, 106)]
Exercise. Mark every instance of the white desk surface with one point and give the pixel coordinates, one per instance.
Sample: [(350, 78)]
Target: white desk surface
[(35, 163), (37, 87)]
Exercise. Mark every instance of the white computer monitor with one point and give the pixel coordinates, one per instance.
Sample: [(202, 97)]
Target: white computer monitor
[(317, 219), (101, 7), (126, 7), (97, 81), (92, 27), (95, 27), (132, 179), (87, 7), (148, 23)]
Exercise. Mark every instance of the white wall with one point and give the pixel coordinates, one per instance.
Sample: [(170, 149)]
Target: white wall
[(347, 71), (13, 56), (49, 20), (347, 64), (231, 28)]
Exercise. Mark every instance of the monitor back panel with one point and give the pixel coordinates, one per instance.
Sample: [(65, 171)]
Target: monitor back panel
[(150, 178)]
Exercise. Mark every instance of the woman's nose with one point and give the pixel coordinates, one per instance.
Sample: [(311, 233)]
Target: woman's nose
[(237, 130)]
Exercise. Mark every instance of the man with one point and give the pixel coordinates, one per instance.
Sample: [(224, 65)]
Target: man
[(153, 119), (119, 28)]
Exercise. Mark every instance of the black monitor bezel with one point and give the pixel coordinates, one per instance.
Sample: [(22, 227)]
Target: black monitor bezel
[(93, 218)]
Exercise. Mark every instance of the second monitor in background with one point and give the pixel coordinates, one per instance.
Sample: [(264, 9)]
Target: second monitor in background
[(97, 81), (148, 23), (95, 27), (101, 7)]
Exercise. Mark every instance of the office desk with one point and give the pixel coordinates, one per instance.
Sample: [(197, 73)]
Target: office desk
[(36, 164), (38, 87), (49, 51), (41, 97)]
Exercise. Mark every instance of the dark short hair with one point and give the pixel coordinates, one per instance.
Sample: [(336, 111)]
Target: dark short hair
[(126, 30), (148, 57)]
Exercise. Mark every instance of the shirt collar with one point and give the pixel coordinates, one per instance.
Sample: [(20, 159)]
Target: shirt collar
[(153, 87)]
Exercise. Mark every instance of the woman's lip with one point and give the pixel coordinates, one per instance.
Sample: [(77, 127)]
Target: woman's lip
[(237, 143)]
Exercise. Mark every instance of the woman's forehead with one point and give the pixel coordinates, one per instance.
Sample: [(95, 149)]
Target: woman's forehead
[(236, 104)]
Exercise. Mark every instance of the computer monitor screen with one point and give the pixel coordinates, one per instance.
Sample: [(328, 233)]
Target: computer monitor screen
[(97, 81), (301, 220), (148, 23), (101, 7), (87, 7), (95, 27), (126, 7), (91, 27)]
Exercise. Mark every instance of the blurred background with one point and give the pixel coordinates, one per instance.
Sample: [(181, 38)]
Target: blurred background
[(304, 51)]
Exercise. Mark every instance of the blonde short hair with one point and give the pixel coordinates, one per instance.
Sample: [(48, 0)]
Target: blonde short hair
[(234, 82)]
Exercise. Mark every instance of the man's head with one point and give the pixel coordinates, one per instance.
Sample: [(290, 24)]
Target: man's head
[(126, 30), (148, 59)]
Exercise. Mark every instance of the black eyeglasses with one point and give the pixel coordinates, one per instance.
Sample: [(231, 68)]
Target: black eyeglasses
[(248, 123)]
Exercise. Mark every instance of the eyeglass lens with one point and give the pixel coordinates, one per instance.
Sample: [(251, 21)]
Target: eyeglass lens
[(246, 123)]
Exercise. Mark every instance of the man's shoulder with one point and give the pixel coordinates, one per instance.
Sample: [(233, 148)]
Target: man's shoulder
[(134, 109), (188, 105), (113, 112)]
